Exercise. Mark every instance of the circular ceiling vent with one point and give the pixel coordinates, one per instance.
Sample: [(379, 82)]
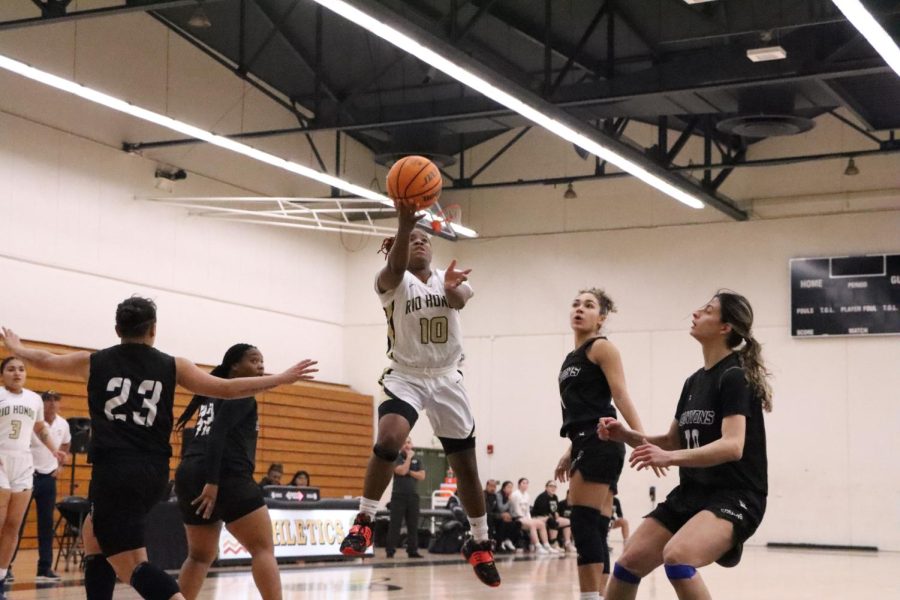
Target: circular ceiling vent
[(763, 126)]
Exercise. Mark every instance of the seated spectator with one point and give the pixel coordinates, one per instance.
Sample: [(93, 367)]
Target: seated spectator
[(273, 475), (300, 479), (619, 520), (520, 508), (546, 508), (501, 526)]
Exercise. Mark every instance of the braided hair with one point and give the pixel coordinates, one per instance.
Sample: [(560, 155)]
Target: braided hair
[(232, 356)]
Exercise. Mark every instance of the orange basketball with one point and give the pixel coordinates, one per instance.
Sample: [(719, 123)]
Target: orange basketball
[(415, 179)]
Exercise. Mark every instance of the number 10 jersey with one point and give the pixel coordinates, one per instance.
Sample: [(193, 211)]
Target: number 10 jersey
[(131, 391), (423, 331)]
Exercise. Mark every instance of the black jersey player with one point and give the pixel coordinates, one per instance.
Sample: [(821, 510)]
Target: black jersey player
[(590, 381), (214, 481), (718, 440), (131, 388)]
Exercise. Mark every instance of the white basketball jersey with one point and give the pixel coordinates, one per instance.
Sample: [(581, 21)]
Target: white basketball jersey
[(423, 331), (18, 414)]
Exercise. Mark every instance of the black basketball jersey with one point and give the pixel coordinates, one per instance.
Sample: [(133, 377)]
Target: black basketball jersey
[(583, 389), (131, 390), (225, 437), (707, 398)]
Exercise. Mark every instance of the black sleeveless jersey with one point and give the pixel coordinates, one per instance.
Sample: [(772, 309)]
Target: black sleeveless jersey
[(131, 390), (707, 398), (225, 438), (583, 389)]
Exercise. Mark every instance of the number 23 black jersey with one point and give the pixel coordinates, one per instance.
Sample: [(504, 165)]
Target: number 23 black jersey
[(131, 391)]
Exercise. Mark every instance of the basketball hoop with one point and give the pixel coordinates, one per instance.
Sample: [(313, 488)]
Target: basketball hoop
[(445, 216)]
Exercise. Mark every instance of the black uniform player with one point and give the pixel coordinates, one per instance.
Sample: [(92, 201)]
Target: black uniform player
[(214, 481), (718, 440), (130, 395), (590, 380)]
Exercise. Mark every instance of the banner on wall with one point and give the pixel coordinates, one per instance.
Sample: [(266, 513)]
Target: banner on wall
[(845, 295), (297, 533)]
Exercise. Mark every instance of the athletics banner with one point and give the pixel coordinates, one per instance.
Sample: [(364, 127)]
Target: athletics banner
[(297, 533)]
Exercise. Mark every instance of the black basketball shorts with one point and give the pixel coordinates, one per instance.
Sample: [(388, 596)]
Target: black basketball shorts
[(238, 495), (122, 493), (597, 461), (743, 508)]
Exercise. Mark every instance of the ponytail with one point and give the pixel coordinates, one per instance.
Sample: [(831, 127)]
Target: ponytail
[(737, 312), (755, 371), (232, 356)]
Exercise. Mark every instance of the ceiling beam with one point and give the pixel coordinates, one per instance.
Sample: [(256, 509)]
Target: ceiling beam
[(129, 7)]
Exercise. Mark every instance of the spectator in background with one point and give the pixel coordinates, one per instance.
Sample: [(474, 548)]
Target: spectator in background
[(546, 508), (405, 501), (300, 479), (619, 519), (503, 528), (520, 508), (273, 475)]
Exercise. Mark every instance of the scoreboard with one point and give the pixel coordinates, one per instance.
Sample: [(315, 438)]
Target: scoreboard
[(845, 295)]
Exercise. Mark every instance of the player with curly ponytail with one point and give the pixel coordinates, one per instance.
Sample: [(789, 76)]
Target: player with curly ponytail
[(718, 439)]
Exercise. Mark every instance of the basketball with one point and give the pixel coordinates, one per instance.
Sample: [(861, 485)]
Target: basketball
[(415, 179)]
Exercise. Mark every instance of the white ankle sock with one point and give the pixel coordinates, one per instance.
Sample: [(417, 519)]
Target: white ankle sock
[(479, 528), (590, 596), (3, 573), (368, 507)]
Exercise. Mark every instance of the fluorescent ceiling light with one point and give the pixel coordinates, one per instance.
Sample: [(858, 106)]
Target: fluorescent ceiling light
[(195, 132), (863, 20), (404, 42), (697, 1), (767, 53)]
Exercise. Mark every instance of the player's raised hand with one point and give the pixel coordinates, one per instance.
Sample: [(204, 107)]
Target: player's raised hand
[(648, 456), (302, 370), (453, 277), (611, 430), (408, 213), (11, 340)]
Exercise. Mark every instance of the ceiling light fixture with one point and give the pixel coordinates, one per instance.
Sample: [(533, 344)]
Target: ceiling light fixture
[(863, 20), (851, 169), (570, 193), (766, 54), (507, 99), (199, 20), (87, 93)]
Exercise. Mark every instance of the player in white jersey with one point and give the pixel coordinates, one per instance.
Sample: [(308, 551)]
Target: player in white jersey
[(422, 307), (21, 412)]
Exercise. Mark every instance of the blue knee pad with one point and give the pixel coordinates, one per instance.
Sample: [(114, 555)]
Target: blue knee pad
[(589, 535), (674, 572), (624, 575), (152, 583)]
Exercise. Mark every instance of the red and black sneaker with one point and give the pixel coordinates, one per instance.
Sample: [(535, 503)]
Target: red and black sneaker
[(359, 538), (481, 556)]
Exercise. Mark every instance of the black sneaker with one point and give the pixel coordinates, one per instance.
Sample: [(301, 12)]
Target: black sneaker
[(359, 538), (481, 556), (9, 577), (389, 554), (732, 557), (47, 576), (414, 555)]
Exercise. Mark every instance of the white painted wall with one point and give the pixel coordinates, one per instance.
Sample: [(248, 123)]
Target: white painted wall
[(76, 242), (832, 435)]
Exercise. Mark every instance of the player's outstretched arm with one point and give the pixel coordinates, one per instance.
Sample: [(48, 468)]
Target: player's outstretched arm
[(454, 286), (728, 448), (196, 380), (77, 364), (398, 257)]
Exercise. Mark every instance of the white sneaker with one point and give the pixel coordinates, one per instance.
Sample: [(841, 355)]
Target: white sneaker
[(541, 550), (556, 550), (508, 545), (570, 547)]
